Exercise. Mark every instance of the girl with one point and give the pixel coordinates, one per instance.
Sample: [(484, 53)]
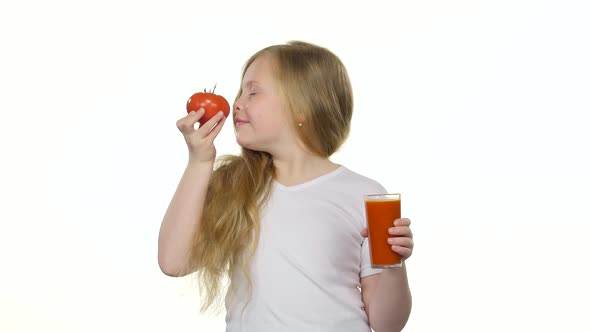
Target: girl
[(284, 223)]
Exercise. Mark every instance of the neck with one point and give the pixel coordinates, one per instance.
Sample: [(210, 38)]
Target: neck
[(300, 167)]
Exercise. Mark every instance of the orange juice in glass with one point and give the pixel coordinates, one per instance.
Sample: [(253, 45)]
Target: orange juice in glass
[(381, 211)]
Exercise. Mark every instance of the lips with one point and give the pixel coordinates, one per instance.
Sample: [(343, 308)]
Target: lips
[(238, 121)]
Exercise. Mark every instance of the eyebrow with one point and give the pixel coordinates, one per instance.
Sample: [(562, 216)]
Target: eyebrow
[(249, 83)]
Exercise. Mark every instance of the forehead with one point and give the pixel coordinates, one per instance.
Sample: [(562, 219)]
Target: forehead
[(259, 71)]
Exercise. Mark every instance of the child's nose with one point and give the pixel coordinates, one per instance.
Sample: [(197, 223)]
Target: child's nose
[(238, 106)]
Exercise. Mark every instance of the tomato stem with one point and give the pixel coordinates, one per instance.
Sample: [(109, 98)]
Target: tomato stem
[(205, 89)]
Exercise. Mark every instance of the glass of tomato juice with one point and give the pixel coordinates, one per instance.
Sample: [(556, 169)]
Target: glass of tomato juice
[(381, 210)]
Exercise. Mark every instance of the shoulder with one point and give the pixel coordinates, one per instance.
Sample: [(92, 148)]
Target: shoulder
[(361, 183)]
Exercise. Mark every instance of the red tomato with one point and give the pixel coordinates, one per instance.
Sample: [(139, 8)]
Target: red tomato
[(209, 101)]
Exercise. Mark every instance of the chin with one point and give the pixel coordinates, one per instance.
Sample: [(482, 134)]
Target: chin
[(250, 145), (245, 144)]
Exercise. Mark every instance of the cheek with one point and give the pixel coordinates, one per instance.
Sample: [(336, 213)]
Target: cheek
[(268, 115), (270, 123)]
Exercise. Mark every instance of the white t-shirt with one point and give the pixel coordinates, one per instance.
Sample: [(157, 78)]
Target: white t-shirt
[(309, 260)]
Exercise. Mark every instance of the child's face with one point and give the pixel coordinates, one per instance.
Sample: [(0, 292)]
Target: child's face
[(262, 121)]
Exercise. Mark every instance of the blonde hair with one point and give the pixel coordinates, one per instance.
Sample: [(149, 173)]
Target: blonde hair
[(315, 87)]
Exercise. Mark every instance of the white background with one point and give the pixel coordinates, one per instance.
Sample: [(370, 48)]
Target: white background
[(473, 110)]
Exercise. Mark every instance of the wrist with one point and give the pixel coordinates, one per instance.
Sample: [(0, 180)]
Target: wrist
[(195, 163), (199, 168)]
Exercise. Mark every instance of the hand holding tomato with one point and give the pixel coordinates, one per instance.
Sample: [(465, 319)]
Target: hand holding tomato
[(200, 141), (210, 102)]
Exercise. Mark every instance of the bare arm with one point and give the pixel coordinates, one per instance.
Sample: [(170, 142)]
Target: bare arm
[(183, 216), (387, 299)]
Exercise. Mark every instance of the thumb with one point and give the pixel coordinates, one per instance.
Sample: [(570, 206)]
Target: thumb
[(186, 125), (365, 232)]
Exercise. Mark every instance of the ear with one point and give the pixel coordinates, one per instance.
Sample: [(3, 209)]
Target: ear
[(299, 118)]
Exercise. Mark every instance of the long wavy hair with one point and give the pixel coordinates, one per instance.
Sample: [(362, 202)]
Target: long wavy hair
[(315, 86)]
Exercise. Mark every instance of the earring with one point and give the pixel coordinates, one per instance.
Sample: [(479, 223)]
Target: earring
[(300, 124)]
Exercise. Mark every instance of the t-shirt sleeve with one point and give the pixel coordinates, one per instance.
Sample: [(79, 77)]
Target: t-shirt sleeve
[(366, 269)]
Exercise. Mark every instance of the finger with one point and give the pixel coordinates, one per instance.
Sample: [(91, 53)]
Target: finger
[(186, 125), (206, 128), (401, 231), (401, 242), (365, 232), (215, 131), (402, 251), (402, 222)]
